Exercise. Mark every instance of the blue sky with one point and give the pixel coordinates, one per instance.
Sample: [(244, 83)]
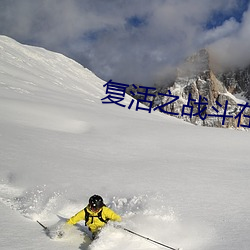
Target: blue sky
[(131, 41), (218, 17)]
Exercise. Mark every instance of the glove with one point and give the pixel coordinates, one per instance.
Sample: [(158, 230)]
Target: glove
[(62, 229), (118, 226), (60, 234)]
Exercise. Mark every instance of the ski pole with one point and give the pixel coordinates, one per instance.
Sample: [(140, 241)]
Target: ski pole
[(146, 238), (45, 228)]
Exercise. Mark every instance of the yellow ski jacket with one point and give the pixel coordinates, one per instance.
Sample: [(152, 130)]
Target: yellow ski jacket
[(94, 223)]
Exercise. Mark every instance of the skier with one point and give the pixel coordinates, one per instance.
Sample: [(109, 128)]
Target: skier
[(95, 214)]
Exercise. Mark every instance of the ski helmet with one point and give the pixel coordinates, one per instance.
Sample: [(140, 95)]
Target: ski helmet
[(95, 202)]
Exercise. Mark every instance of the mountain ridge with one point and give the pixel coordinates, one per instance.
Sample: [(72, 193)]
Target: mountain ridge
[(200, 86)]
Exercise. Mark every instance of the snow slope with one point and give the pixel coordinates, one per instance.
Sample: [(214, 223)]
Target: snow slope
[(176, 183)]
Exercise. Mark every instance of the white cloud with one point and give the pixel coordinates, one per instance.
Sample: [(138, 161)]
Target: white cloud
[(233, 50), (228, 28), (99, 33)]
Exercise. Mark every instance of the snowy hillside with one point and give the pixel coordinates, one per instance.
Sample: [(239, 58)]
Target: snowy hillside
[(179, 184)]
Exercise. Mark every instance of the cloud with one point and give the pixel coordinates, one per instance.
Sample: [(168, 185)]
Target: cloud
[(233, 49), (129, 41), (228, 28)]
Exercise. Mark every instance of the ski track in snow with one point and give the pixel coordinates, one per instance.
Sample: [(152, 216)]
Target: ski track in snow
[(42, 116)]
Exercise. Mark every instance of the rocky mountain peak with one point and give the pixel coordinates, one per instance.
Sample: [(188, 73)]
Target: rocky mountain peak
[(199, 87), (194, 65), (197, 72)]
